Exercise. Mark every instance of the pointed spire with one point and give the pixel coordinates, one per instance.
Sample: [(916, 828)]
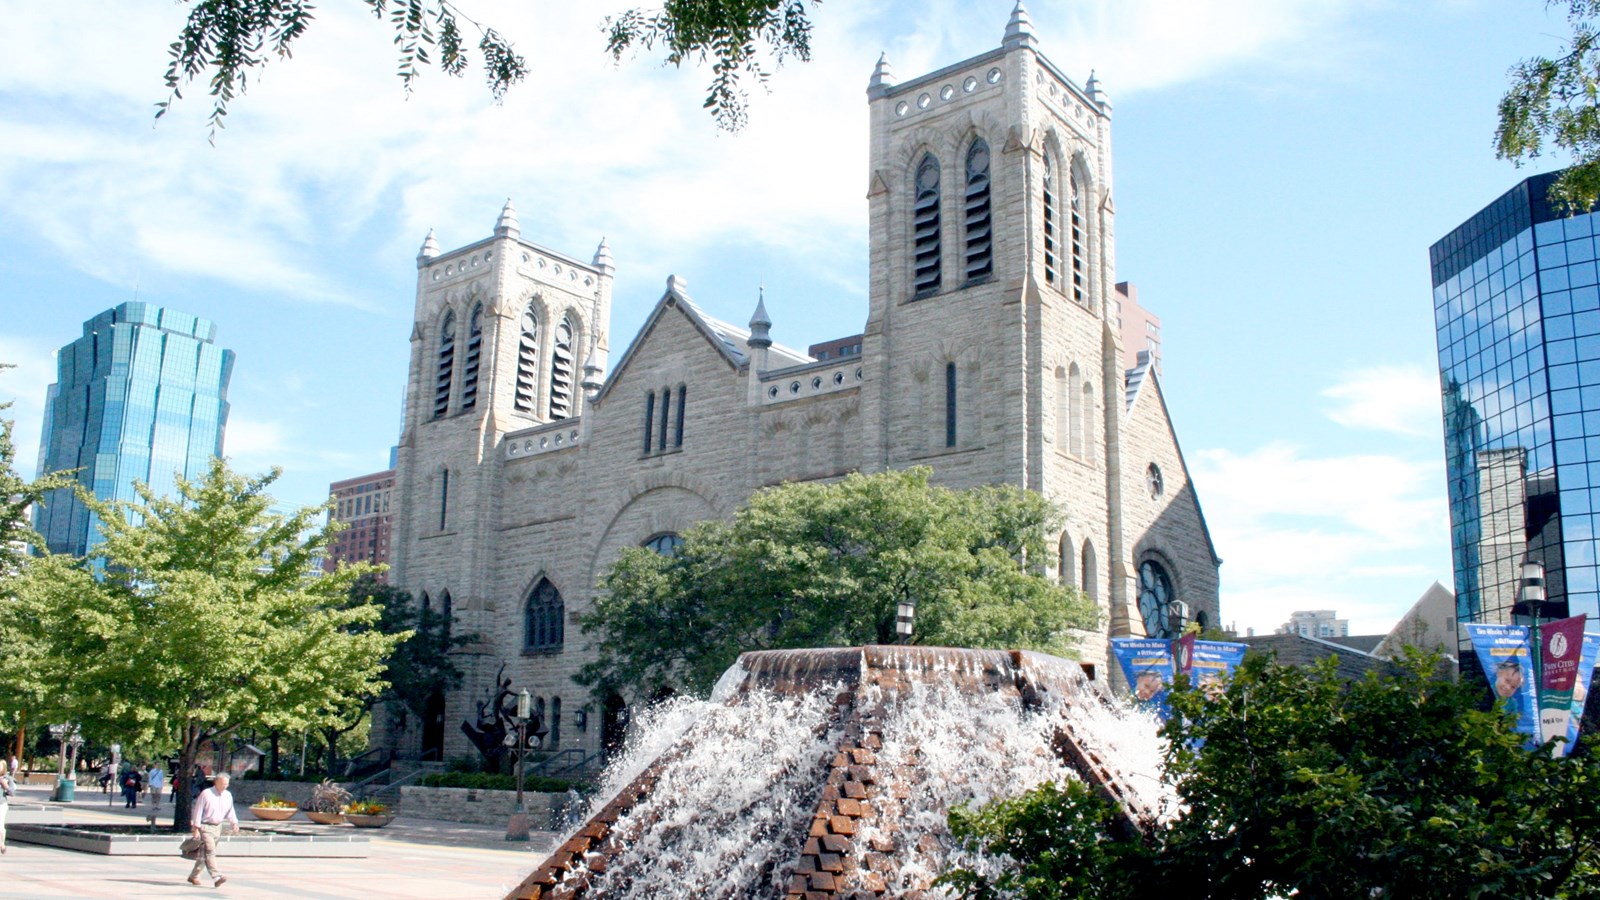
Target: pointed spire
[(882, 77), (507, 226), (760, 323), (1096, 92), (429, 251), (602, 258), (594, 370), (1019, 31)]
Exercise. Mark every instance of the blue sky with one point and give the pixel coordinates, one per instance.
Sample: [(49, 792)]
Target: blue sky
[(1281, 168)]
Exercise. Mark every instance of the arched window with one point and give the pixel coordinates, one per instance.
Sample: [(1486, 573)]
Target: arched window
[(980, 237), (950, 404), (469, 374), (527, 360), (649, 419), (447, 611), (1063, 410), (444, 497), (677, 433), (1066, 570), (1050, 237), (1091, 572), (447, 365), (925, 228), (427, 603), (1075, 227), (666, 417), (1075, 418), (1088, 420), (544, 623), (561, 369), (665, 543), (1155, 596), (554, 739)]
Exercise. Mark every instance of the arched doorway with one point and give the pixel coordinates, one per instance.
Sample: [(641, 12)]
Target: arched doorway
[(433, 728), (613, 724)]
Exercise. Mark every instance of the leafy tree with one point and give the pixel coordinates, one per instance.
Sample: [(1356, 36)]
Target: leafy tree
[(1556, 101), (1310, 786), (223, 41), (818, 565), (208, 618)]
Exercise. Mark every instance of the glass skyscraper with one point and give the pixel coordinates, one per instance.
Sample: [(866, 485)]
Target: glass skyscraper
[(141, 396)]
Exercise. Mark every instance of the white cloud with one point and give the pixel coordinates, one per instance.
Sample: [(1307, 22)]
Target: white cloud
[(24, 387), (1397, 399), (1332, 532)]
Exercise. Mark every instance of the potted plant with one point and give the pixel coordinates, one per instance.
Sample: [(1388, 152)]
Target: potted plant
[(327, 803), (368, 814), (274, 808)]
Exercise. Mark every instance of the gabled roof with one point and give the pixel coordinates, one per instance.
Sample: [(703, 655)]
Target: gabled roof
[(1138, 377), (729, 340), (1295, 650)]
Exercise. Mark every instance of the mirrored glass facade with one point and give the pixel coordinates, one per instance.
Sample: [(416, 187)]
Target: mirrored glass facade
[(141, 396)]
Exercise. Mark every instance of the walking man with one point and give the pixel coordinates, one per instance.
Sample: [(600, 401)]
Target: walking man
[(155, 780), (211, 809)]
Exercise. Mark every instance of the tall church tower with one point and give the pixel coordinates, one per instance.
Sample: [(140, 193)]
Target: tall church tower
[(506, 335), (992, 264)]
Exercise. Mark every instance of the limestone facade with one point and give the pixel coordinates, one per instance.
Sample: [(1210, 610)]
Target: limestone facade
[(990, 353)]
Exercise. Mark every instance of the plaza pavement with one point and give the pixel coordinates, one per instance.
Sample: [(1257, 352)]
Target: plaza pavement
[(411, 858)]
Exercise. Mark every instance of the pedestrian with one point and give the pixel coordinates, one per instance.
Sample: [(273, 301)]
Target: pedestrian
[(131, 782), (155, 780), (211, 809), (8, 786), (107, 774)]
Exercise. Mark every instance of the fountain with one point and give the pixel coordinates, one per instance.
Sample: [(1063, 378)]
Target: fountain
[(830, 773)]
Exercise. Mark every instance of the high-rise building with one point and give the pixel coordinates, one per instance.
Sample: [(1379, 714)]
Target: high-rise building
[(1141, 328), (1317, 623), (1516, 297), (141, 396), (363, 505)]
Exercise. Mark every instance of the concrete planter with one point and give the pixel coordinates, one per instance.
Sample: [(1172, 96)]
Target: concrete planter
[(481, 807), (361, 821), (325, 818), (273, 813), (85, 839)]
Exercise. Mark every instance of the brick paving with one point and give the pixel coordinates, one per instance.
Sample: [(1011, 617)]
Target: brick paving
[(412, 858)]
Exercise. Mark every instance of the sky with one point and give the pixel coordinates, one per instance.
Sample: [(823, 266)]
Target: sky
[(1281, 167)]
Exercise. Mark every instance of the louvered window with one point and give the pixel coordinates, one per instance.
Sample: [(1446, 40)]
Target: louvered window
[(561, 369), (1077, 242), (469, 376), (980, 238), (527, 361), (1050, 237), (925, 228), (447, 365)]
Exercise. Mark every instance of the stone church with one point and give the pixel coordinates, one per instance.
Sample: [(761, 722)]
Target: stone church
[(532, 454)]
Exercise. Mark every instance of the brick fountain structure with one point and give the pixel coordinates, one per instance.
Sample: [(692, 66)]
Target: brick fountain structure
[(822, 774)]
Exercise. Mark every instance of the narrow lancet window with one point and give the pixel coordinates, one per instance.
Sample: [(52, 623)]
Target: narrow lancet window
[(469, 374), (925, 228), (950, 404), (677, 433), (666, 416), (527, 361), (561, 368), (980, 238), (1049, 222), (649, 418), (447, 365), (1079, 282)]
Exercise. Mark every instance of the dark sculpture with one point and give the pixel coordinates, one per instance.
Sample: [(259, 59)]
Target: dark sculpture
[(497, 720)]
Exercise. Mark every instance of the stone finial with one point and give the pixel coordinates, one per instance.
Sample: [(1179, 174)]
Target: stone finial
[(760, 323), (677, 285), (1096, 92), (507, 226), (429, 251), (594, 371), (602, 258), (1019, 31), (882, 77)]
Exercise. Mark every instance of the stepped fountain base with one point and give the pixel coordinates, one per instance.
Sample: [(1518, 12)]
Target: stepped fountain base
[(830, 773)]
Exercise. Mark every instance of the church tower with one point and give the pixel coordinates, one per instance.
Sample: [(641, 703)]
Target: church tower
[(992, 329)]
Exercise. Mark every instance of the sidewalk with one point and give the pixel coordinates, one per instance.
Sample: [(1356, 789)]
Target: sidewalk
[(411, 858)]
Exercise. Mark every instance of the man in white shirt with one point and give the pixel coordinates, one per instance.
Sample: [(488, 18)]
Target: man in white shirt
[(211, 809), (155, 779)]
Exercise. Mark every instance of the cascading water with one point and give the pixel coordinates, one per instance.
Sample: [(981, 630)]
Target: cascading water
[(832, 772)]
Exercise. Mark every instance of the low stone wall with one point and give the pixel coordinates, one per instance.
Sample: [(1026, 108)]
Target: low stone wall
[(249, 790), (480, 807)]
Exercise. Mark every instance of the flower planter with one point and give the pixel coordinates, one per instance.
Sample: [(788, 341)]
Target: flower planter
[(361, 821), (273, 813), (325, 818)]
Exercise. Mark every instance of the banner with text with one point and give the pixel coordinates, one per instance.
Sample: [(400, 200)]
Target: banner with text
[(1560, 650), (1147, 664), (1507, 663), (1580, 690), (1214, 662)]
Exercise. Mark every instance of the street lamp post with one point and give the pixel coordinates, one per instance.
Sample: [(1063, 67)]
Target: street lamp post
[(517, 828), (905, 619), (1533, 600), (1177, 614)]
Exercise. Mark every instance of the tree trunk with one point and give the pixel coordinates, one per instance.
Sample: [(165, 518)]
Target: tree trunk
[(183, 779), (276, 769), (331, 735)]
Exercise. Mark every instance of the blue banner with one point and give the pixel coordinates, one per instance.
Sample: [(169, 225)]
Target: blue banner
[(1214, 662), (1507, 663), (1147, 664), (1580, 691)]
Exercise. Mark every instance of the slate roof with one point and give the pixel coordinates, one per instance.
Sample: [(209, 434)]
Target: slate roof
[(1294, 650)]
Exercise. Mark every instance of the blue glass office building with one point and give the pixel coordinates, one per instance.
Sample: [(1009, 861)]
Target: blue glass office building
[(141, 396)]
